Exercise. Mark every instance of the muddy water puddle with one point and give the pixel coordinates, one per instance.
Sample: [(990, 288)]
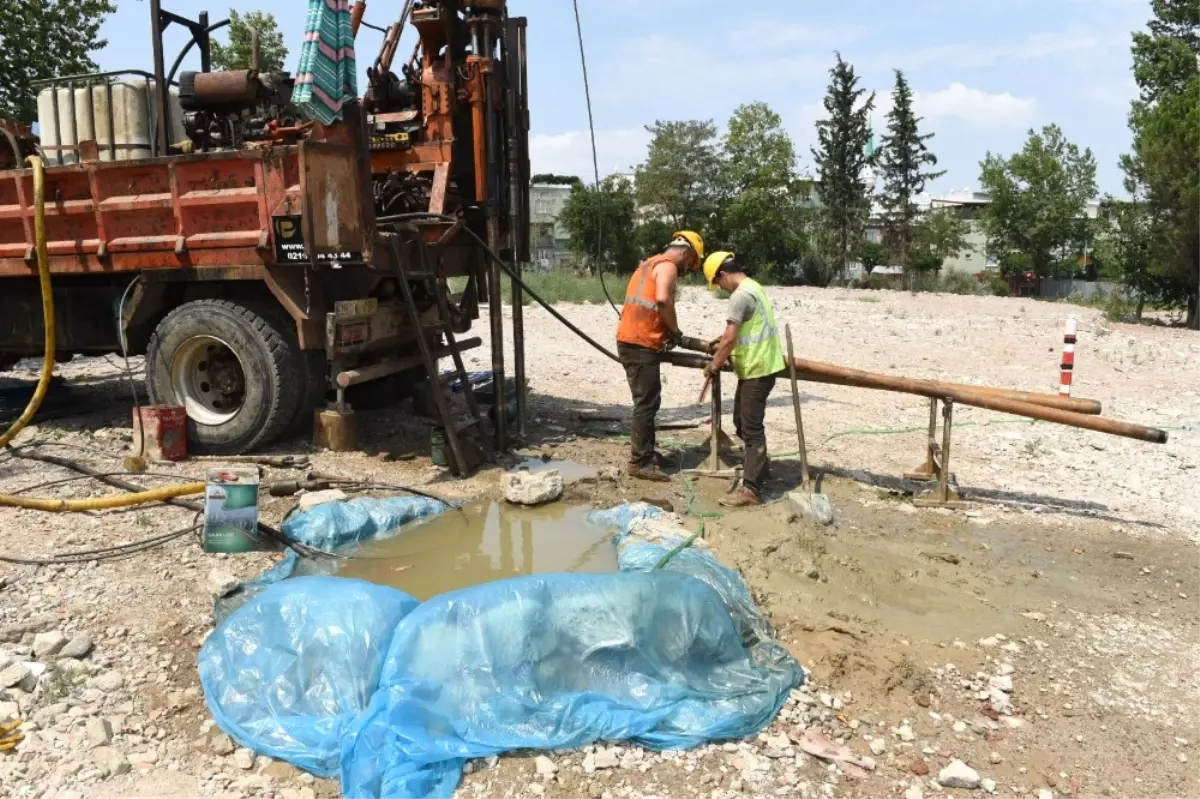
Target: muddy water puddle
[(486, 541), (571, 471)]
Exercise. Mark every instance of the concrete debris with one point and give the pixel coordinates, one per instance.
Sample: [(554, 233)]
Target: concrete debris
[(904, 733), (878, 747), (1002, 682), (524, 487), (13, 675), (958, 775), (988, 785), (243, 759), (222, 583), (48, 644), (545, 766), (110, 762), (107, 682), (311, 499), (78, 647), (99, 732)]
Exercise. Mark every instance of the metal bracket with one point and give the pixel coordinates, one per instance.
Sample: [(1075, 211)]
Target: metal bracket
[(937, 461)]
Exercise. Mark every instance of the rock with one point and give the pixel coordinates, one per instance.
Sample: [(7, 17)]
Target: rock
[(904, 733), (1045, 793), (222, 745), (99, 732), (989, 642), (13, 675), (545, 766), (80, 646), (606, 758), (919, 767), (107, 682), (535, 789), (988, 785), (958, 775), (914, 793), (46, 716), (815, 507), (959, 726), (995, 758), (1002, 682), (878, 747), (243, 759), (311, 499), (144, 759), (9, 711), (110, 762), (531, 488), (48, 644), (222, 583), (307, 793)]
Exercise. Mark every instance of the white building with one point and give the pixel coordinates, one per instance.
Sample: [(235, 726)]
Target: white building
[(548, 237)]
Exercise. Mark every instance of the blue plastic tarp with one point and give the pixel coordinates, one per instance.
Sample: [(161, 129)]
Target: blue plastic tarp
[(668, 659)]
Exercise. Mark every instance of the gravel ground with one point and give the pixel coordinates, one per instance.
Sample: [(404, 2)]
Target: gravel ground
[(1041, 643)]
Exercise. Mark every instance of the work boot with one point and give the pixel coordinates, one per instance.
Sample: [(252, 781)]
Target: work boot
[(664, 460), (740, 498), (648, 472)]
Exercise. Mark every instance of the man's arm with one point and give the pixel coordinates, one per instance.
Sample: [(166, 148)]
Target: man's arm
[(665, 275), (725, 347)]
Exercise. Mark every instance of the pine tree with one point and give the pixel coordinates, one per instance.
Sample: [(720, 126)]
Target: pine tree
[(904, 160), (841, 158)]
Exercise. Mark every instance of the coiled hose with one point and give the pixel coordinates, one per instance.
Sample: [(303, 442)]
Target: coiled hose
[(43, 385)]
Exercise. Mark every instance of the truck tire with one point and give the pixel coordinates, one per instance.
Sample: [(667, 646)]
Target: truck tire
[(234, 367)]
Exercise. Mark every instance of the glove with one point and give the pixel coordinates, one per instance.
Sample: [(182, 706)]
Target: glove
[(708, 370), (673, 339), (711, 347)]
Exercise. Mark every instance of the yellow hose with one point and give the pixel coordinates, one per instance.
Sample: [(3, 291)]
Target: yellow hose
[(101, 503), (48, 325), (35, 402)]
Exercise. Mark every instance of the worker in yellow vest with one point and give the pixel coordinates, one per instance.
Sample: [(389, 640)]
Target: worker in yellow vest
[(751, 339), (648, 327)]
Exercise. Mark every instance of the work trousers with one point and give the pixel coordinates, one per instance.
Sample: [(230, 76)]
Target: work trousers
[(749, 413), (643, 372)]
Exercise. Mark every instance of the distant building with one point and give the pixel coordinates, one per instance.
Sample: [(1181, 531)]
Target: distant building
[(548, 237), (968, 205)]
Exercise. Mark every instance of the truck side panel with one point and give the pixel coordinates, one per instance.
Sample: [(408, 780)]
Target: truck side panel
[(206, 210)]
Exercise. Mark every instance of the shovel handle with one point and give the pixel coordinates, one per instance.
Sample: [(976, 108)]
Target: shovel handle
[(704, 390), (787, 329)]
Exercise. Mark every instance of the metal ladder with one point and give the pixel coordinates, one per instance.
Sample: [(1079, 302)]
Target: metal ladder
[(438, 382)]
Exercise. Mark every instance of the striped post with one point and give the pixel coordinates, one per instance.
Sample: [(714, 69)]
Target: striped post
[(1068, 358)]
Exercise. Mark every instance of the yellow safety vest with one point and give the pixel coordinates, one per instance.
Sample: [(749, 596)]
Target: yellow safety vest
[(758, 352)]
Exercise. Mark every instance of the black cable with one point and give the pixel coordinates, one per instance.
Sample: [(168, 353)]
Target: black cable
[(137, 406), (79, 477), (107, 553), (511, 273), (587, 94)]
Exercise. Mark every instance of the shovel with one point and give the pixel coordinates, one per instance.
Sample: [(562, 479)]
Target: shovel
[(809, 504)]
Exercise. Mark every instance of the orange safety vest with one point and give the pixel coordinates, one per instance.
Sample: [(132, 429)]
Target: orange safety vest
[(641, 323)]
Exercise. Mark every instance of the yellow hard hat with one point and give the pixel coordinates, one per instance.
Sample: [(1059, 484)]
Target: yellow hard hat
[(693, 240), (713, 264)]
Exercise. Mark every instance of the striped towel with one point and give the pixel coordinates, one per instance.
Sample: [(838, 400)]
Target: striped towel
[(326, 77)]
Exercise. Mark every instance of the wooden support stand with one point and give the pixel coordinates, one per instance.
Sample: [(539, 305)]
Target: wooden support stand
[(335, 428), (717, 441), (937, 461)]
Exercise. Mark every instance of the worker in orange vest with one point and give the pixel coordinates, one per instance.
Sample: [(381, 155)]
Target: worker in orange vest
[(648, 327)]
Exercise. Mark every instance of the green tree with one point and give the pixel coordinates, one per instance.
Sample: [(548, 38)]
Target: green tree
[(651, 237), (1039, 196), (1162, 173), (679, 178), (841, 156), (871, 254), (40, 40), (238, 53), (1126, 252), (760, 218), (940, 234), (904, 160), (600, 222), (551, 179)]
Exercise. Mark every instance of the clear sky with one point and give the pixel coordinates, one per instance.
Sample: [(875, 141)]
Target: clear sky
[(984, 72)]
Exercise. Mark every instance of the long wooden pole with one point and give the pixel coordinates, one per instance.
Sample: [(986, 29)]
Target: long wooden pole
[(818, 372)]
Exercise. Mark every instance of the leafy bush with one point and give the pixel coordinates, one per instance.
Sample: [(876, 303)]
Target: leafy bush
[(877, 282), (954, 282), (996, 284)]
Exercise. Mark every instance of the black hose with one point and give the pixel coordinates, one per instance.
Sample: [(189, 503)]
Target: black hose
[(587, 95), (187, 48), (508, 269), (107, 553)]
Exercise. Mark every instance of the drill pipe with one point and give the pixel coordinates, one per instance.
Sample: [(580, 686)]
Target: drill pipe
[(817, 372)]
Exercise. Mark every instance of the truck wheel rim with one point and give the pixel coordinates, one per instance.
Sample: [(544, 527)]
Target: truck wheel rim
[(208, 379)]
